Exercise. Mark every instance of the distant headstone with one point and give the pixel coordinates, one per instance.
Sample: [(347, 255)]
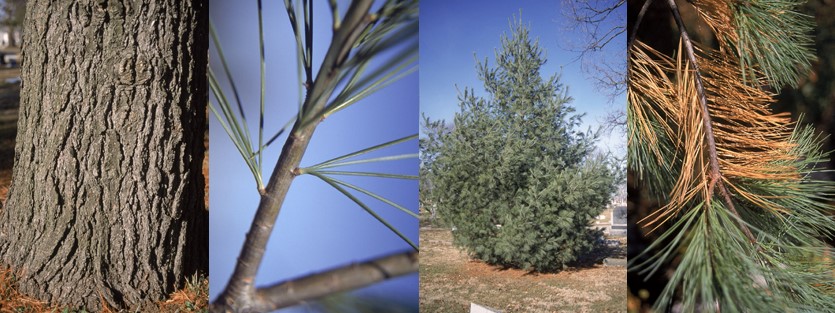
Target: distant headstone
[(11, 59), (614, 262), (619, 215), (475, 308), (619, 230)]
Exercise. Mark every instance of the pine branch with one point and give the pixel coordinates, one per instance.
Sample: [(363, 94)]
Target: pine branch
[(702, 135), (239, 294), (715, 172), (634, 31), (359, 32)]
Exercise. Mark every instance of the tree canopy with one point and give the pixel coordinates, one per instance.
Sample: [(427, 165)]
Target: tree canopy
[(514, 175)]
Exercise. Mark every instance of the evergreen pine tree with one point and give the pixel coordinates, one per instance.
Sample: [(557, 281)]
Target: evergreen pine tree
[(742, 219), (514, 176)]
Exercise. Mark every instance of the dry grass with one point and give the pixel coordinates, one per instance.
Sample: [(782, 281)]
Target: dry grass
[(12, 301), (450, 280), (194, 297)]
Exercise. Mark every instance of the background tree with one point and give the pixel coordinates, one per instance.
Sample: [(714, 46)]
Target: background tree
[(739, 216), (516, 180), (813, 97), (597, 24), (106, 203), (364, 46), (13, 13), (429, 147)]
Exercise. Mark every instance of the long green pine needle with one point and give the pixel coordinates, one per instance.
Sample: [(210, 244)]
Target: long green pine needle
[(374, 195), (369, 174), (366, 208), (366, 150), (216, 41), (263, 84)]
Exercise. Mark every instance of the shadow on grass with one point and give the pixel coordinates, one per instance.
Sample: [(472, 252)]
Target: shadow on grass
[(590, 260), (594, 259)]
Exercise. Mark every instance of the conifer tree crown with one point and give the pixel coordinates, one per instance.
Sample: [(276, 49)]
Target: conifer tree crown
[(514, 176)]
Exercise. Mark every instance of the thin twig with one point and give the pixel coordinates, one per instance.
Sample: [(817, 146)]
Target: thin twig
[(715, 172), (634, 31), (335, 13)]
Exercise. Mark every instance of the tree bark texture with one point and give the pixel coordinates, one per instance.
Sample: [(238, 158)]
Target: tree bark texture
[(106, 201)]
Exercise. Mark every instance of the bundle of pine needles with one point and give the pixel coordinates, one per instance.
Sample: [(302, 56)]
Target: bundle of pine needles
[(744, 219)]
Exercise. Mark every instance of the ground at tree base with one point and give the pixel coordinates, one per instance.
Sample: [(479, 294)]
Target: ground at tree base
[(449, 281), (191, 298)]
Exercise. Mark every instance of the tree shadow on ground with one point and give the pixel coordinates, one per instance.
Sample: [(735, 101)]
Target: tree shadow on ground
[(598, 254), (593, 259)]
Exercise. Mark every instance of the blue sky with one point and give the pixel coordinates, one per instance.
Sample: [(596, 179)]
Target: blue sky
[(453, 34), (318, 227)]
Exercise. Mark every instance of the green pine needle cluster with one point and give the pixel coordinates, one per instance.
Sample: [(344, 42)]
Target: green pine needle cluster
[(742, 218), (384, 51), (774, 38)]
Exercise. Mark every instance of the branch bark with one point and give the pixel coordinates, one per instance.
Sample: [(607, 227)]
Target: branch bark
[(634, 31), (344, 278)]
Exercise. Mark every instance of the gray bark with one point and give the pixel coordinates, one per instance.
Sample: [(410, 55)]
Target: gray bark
[(107, 193)]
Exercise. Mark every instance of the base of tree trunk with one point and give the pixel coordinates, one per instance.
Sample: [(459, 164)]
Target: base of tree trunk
[(107, 200)]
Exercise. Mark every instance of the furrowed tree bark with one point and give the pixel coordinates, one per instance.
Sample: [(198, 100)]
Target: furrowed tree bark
[(106, 202)]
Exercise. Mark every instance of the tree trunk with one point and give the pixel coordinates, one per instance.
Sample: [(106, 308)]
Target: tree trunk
[(12, 41), (106, 202)]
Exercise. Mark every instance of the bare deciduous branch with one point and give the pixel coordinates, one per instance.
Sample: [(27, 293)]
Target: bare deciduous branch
[(598, 24), (615, 119)]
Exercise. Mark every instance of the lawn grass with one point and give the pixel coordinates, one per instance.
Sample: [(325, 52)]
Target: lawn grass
[(450, 280)]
